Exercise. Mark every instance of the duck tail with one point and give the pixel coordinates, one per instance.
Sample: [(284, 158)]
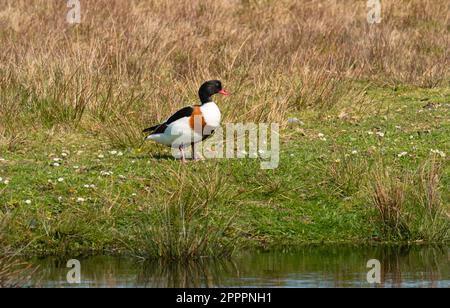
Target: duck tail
[(150, 129)]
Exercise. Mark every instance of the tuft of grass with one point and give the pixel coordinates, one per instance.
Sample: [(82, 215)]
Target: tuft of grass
[(388, 197), (435, 220), (13, 272), (409, 206), (188, 223), (121, 132), (344, 174), (11, 142)]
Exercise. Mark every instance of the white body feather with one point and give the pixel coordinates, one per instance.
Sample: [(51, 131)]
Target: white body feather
[(179, 133)]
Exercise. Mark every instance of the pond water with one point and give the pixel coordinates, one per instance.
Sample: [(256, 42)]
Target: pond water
[(305, 267)]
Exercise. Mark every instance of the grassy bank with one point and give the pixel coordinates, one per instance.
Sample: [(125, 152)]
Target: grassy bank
[(363, 177), (368, 160)]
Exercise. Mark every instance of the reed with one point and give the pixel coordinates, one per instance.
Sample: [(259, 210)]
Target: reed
[(189, 224), (14, 273), (410, 206)]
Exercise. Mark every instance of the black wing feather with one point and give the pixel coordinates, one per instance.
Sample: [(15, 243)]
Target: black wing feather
[(150, 129), (182, 113), (160, 128)]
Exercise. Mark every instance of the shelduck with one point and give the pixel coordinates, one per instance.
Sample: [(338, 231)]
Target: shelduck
[(191, 124)]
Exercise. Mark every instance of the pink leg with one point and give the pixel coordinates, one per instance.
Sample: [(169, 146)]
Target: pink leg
[(183, 158)]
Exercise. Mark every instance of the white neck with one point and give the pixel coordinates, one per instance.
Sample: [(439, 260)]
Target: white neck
[(211, 114)]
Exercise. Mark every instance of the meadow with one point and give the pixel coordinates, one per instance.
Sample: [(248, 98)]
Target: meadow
[(364, 111)]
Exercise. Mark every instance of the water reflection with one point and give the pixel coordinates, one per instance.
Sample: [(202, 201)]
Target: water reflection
[(201, 273), (320, 266)]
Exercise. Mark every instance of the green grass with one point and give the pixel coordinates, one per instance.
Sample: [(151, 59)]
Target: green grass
[(141, 202)]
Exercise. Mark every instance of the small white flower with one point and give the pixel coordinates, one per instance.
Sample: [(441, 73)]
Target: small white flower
[(354, 152), (28, 201), (113, 152), (134, 194), (402, 154), (380, 134), (60, 180), (370, 133), (92, 186), (1, 179), (76, 167), (56, 164), (79, 200), (2, 159), (292, 155), (64, 154), (86, 185), (122, 177), (438, 152), (6, 182), (133, 161), (60, 198), (320, 135), (101, 156), (56, 159), (120, 154), (106, 173)]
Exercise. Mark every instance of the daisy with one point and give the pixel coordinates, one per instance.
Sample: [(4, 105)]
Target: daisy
[(438, 152)]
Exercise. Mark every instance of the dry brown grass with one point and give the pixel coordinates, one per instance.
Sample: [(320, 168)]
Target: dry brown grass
[(389, 200), (188, 225), (410, 205), (13, 272), (435, 208), (144, 59)]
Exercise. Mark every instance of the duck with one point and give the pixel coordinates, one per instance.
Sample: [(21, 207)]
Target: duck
[(191, 124)]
